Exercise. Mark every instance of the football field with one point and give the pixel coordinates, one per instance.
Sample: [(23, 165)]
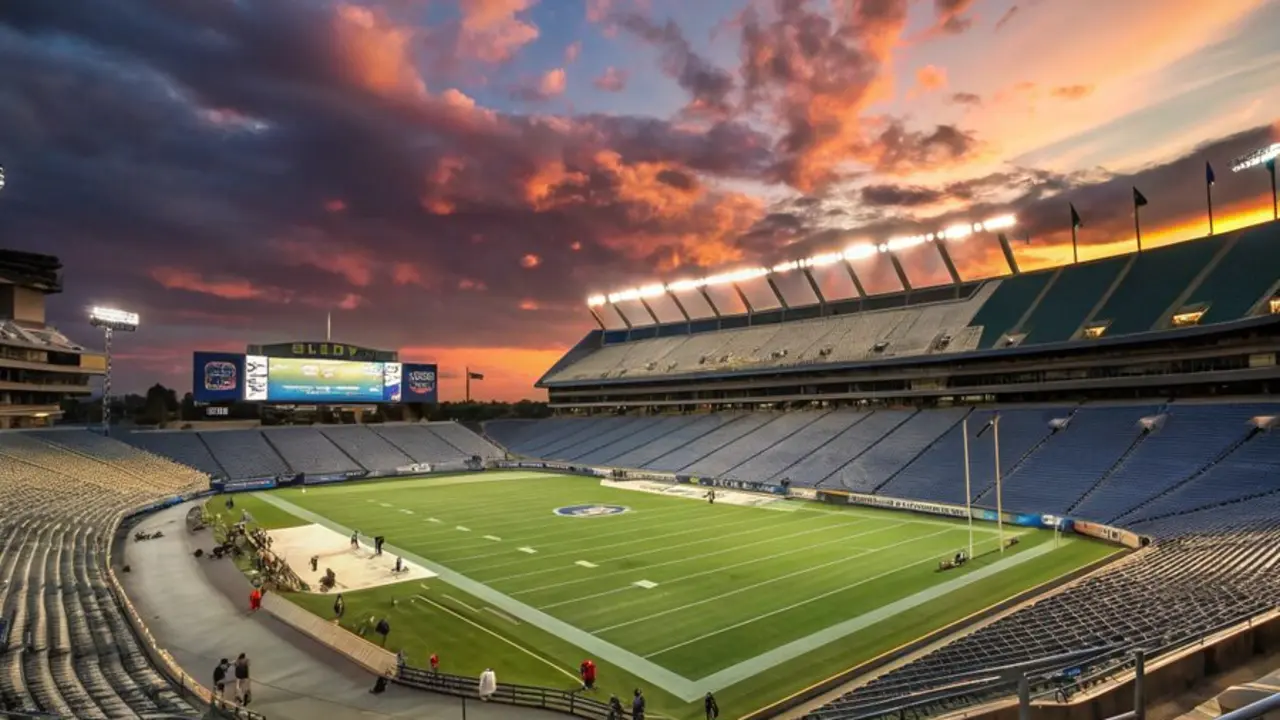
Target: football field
[(536, 571)]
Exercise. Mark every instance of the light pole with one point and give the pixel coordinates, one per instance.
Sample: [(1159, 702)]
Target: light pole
[(1265, 157), (110, 320)]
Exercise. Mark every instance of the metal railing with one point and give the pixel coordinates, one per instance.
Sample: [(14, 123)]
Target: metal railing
[(468, 689)]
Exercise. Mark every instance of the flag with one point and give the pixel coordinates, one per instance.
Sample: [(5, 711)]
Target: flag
[(1209, 178), (474, 375), (1075, 217), (1138, 199)]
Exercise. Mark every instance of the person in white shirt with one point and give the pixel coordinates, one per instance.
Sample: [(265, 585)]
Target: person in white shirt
[(488, 684)]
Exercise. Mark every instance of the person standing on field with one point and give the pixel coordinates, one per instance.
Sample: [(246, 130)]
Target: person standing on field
[(242, 680), (709, 704), (488, 684)]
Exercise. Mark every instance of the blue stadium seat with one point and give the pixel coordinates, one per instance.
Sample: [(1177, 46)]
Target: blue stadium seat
[(307, 450), (1012, 299), (848, 445), (871, 469), (643, 455), (245, 453), (366, 447), (761, 441), (1242, 277), (688, 455), (773, 464), (1156, 279), (1067, 304)]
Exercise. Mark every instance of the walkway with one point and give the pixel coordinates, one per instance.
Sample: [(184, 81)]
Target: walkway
[(196, 610)]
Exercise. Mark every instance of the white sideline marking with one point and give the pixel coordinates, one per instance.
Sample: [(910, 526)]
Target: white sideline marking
[(386, 505), (506, 640), (462, 529), (586, 564), (433, 520), (528, 550), (646, 584), (712, 571), (494, 538), (454, 599), (406, 511), (502, 615), (762, 583)]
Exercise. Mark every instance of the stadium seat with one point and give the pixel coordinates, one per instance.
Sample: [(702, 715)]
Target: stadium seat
[(1070, 300), (245, 454), (1012, 299), (1155, 280), (1241, 279), (309, 451)]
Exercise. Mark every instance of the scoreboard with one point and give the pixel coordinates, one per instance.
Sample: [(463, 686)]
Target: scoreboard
[(311, 374)]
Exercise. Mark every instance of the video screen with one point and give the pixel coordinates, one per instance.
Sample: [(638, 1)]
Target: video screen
[(316, 381)]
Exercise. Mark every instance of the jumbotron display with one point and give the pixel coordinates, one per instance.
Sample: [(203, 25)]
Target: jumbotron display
[(229, 377)]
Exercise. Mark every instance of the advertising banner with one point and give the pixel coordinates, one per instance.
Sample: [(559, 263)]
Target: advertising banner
[(803, 493), (919, 506), (333, 477), (420, 383), (310, 381), (413, 469), (244, 485), (743, 485), (217, 377)]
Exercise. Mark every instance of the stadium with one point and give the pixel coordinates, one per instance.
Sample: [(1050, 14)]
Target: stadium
[(1050, 493)]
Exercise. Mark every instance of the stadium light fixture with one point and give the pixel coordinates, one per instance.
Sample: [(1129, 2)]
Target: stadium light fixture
[(859, 251), (1, 177), (1256, 158), (110, 320)]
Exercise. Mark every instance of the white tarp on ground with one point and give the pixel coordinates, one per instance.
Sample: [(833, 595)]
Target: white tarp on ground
[(355, 569)]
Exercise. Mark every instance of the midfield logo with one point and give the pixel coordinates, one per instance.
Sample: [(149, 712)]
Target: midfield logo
[(590, 510)]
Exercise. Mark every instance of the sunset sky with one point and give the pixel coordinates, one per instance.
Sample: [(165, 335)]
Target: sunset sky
[(452, 178)]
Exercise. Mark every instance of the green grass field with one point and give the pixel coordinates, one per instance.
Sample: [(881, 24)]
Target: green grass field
[(673, 595)]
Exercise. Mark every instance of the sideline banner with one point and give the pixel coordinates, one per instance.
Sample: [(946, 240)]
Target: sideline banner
[(265, 483), (918, 506), (803, 493), (1108, 533), (333, 477), (743, 485)]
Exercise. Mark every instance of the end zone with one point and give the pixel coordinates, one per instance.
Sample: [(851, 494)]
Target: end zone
[(356, 569)]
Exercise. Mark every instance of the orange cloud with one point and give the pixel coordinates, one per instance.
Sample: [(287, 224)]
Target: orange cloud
[(354, 265), (930, 78), (529, 305), (375, 52), (172, 278), (1072, 92), (572, 52), (405, 273), (335, 205), (474, 285), (611, 80), (530, 261), (509, 372), (552, 83), (491, 31)]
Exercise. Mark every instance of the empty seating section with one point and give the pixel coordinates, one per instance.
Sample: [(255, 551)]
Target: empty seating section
[(1052, 479), (367, 447), (871, 469), (1251, 470), (1242, 277), (1155, 280), (641, 456), (307, 450), (938, 473), (419, 443), (829, 458), (609, 437), (840, 338), (771, 462), (69, 651), (1011, 300), (463, 439), (724, 461), (245, 453), (688, 455), (639, 437), (1187, 439), (181, 447), (1070, 299), (584, 430), (1184, 586)]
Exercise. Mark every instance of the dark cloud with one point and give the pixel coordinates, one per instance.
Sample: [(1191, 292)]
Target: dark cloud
[(1072, 92), (966, 98), (900, 195), (951, 17), (1007, 17), (709, 86)]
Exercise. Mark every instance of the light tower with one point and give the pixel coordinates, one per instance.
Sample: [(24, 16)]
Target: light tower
[(110, 320)]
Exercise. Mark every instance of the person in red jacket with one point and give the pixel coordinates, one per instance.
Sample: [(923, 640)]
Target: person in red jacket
[(588, 672), (435, 663), (255, 599)]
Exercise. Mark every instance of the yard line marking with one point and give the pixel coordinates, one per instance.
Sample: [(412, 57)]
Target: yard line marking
[(494, 538), (460, 528), (753, 586), (502, 615), (584, 564), (433, 520), (722, 568), (772, 539), (406, 511), (527, 550), (802, 646), (385, 505), (759, 527), (508, 641), (628, 519), (450, 597), (646, 584)]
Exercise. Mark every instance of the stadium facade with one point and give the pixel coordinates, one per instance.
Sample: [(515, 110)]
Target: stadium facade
[(1196, 318), (39, 366)]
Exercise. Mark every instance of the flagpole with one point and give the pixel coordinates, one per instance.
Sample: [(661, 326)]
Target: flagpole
[(968, 495), (1208, 196), (1275, 208), (1137, 225), (995, 429), (1075, 249), (328, 327), (467, 370)]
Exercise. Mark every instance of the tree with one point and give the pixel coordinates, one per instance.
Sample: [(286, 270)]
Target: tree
[(155, 408), (188, 410)]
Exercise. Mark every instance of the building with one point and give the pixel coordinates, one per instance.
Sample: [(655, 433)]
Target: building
[(39, 366)]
